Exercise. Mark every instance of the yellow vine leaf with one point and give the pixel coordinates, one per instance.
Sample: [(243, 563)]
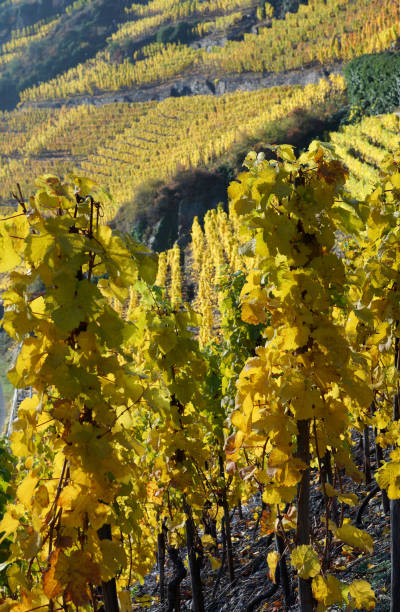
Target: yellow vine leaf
[(33, 599), (125, 601), (306, 561), (166, 340), (286, 152), (8, 524), (26, 489), (9, 259), (145, 600), (30, 544), (254, 312), (8, 605), (327, 591), (263, 185), (233, 444), (215, 563), (69, 495), (38, 245), (277, 495), (350, 499), (287, 474), (42, 198), (362, 594), (354, 537), (71, 575), (329, 490), (78, 506), (395, 180), (388, 477), (345, 461), (242, 419), (113, 559), (207, 540), (293, 337), (16, 578), (289, 519), (272, 560), (42, 496)]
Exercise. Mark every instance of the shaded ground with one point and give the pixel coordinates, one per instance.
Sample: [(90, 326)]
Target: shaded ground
[(250, 554)]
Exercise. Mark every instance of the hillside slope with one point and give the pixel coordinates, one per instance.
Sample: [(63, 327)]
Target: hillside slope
[(160, 41), (39, 40), (103, 52), (124, 146), (137, 59), (257, 364)]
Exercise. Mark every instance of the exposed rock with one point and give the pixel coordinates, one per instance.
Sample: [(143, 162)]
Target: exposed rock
[(197, 85), (209, 42), (191, 193)]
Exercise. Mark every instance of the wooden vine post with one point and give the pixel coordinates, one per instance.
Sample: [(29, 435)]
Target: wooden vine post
[(395, 513), (227, 523), (194, 560), (161, 546), (303, 510)]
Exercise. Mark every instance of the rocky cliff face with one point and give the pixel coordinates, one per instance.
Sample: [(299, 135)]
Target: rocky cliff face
[(199, 85), (167, 210), (190, 195)]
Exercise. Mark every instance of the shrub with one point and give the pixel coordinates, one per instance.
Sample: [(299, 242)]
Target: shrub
[(180, 32), (281, 7), (8, 93), (373, 82)]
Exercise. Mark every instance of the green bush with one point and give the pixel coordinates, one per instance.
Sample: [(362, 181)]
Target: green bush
[(373, 82), (281, 7), (181, 32), (24, 13), (8, 93)]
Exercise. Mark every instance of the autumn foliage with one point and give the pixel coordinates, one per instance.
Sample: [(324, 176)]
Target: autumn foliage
[(148, 416)]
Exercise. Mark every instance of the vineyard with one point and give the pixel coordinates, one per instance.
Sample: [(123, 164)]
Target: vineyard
[(115, 143), (287, 44), (215, 249), (201, 399), (144, 407), (126, 60), (123, 145)]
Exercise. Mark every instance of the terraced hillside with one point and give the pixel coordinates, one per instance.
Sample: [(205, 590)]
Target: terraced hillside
[(216, 38), (39, 40), (124, 145), (107, 53), (364, 146)]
